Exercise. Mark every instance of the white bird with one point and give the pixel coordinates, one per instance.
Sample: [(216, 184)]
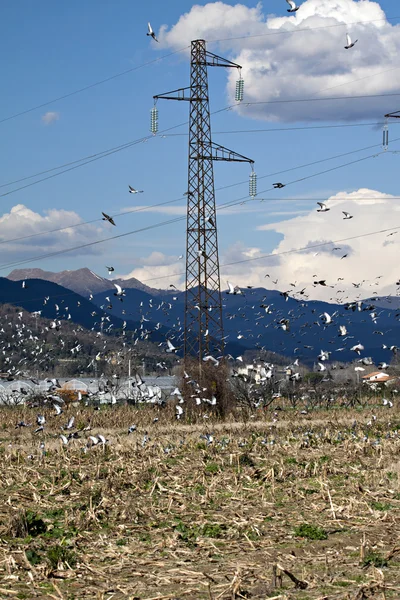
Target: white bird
[(64, 439), (321, 367), (151, 32), (120, 292), (131, 189), (357, 348), (293, 8), (131, 429), (324, 355), (327, 318), (350, 44), (387, 402), (58, 409), (179, 411), (212, 359), (342, 330), (323, 207), (346, 215), (233, 289), (171, 348)]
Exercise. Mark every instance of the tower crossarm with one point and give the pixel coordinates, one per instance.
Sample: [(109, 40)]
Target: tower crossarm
[(214, 151)]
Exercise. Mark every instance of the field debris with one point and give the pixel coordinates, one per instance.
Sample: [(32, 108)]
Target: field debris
[(300, 509)]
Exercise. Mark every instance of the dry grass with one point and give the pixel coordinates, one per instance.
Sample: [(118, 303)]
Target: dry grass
[(305, 508)]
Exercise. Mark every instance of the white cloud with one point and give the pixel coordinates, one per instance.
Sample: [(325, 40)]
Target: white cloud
[(303, 64), (22, 225), (159, 270), (368, 257), (50, 117)]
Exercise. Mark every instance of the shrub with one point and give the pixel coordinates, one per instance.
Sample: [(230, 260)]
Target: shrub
[(59, 554), (310, 532)]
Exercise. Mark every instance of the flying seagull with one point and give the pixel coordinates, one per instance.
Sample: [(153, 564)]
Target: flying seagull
[(233, 289), (110, 270), (278, 185), (347, 215), (357, 348), (133, 191), (293, 8), (151, 32), (323, 207), (350, 44), (170, 348), (108, 218)]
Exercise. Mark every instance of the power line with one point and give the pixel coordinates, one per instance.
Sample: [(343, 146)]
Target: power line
[(89, 244), (72, 226), (160, 58), (128, 144), (105, 153), (252, 259), (92, 85), (318, 99), (148, 208), (285, 252), (82, 164), (315, 162), (280, 129), (74, 162), (298, 30), (244, 200)]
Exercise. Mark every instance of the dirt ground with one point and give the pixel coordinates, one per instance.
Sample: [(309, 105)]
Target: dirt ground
[(306, 507)]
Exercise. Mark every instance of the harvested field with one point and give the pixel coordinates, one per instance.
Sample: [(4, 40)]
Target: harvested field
[(303, 508)]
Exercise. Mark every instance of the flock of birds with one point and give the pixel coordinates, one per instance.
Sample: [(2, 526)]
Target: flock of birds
[(36, 352)]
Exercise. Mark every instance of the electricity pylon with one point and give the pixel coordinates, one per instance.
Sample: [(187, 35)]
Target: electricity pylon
[(204, 334)]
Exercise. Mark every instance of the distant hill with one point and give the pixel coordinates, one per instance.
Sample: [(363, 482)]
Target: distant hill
[(56, 302), (248, 326), (246, 323), (82, 281), (33, 347)]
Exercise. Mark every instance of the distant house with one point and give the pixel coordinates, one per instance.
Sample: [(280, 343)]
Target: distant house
[(379, 377), (75, 385)]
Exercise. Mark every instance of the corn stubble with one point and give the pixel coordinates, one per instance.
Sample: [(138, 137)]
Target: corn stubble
[(303, 508)]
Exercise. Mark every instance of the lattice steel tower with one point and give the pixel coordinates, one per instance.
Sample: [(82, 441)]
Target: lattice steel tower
[(203, 307)]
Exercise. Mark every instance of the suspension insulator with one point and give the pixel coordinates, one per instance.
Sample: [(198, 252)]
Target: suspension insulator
[(239, 90), (154, 120), (385, 140), (253, 185)]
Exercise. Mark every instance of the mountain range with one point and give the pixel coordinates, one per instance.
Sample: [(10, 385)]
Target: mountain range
[(248, 323), (82, 281)]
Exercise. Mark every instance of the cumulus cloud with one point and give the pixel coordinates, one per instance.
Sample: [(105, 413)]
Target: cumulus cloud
[(50, 117), (25, 233), (284, 61), (370, 265), (313, 246), (159, 270)]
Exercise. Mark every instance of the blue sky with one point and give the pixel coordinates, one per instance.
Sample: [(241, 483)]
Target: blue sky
[(56, 48)]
